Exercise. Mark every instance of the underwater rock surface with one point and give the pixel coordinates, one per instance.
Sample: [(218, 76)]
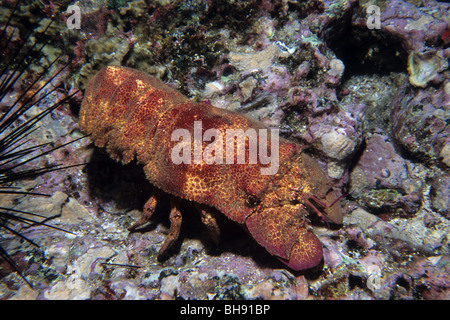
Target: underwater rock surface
[(372, 105)]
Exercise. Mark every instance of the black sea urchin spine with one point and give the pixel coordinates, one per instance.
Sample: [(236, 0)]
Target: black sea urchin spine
[(16, 148)]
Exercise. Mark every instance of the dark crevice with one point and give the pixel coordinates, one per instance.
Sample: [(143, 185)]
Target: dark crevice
[(364, 52)]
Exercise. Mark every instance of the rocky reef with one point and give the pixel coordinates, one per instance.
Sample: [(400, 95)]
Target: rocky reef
[(367, 93)]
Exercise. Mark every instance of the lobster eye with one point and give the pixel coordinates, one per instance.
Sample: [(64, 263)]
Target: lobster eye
[(253, 201)]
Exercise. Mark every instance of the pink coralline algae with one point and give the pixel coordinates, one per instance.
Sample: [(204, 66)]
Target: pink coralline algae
[(415, 26)]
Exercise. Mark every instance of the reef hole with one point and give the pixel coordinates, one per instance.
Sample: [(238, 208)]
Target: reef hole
[(366, 51)]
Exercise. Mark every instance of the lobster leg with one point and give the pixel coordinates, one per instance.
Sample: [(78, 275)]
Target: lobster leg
[(149, 209), (208, 217), (175, 226)]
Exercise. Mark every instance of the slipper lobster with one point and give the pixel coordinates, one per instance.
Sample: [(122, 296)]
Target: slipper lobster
[(188, 152)]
